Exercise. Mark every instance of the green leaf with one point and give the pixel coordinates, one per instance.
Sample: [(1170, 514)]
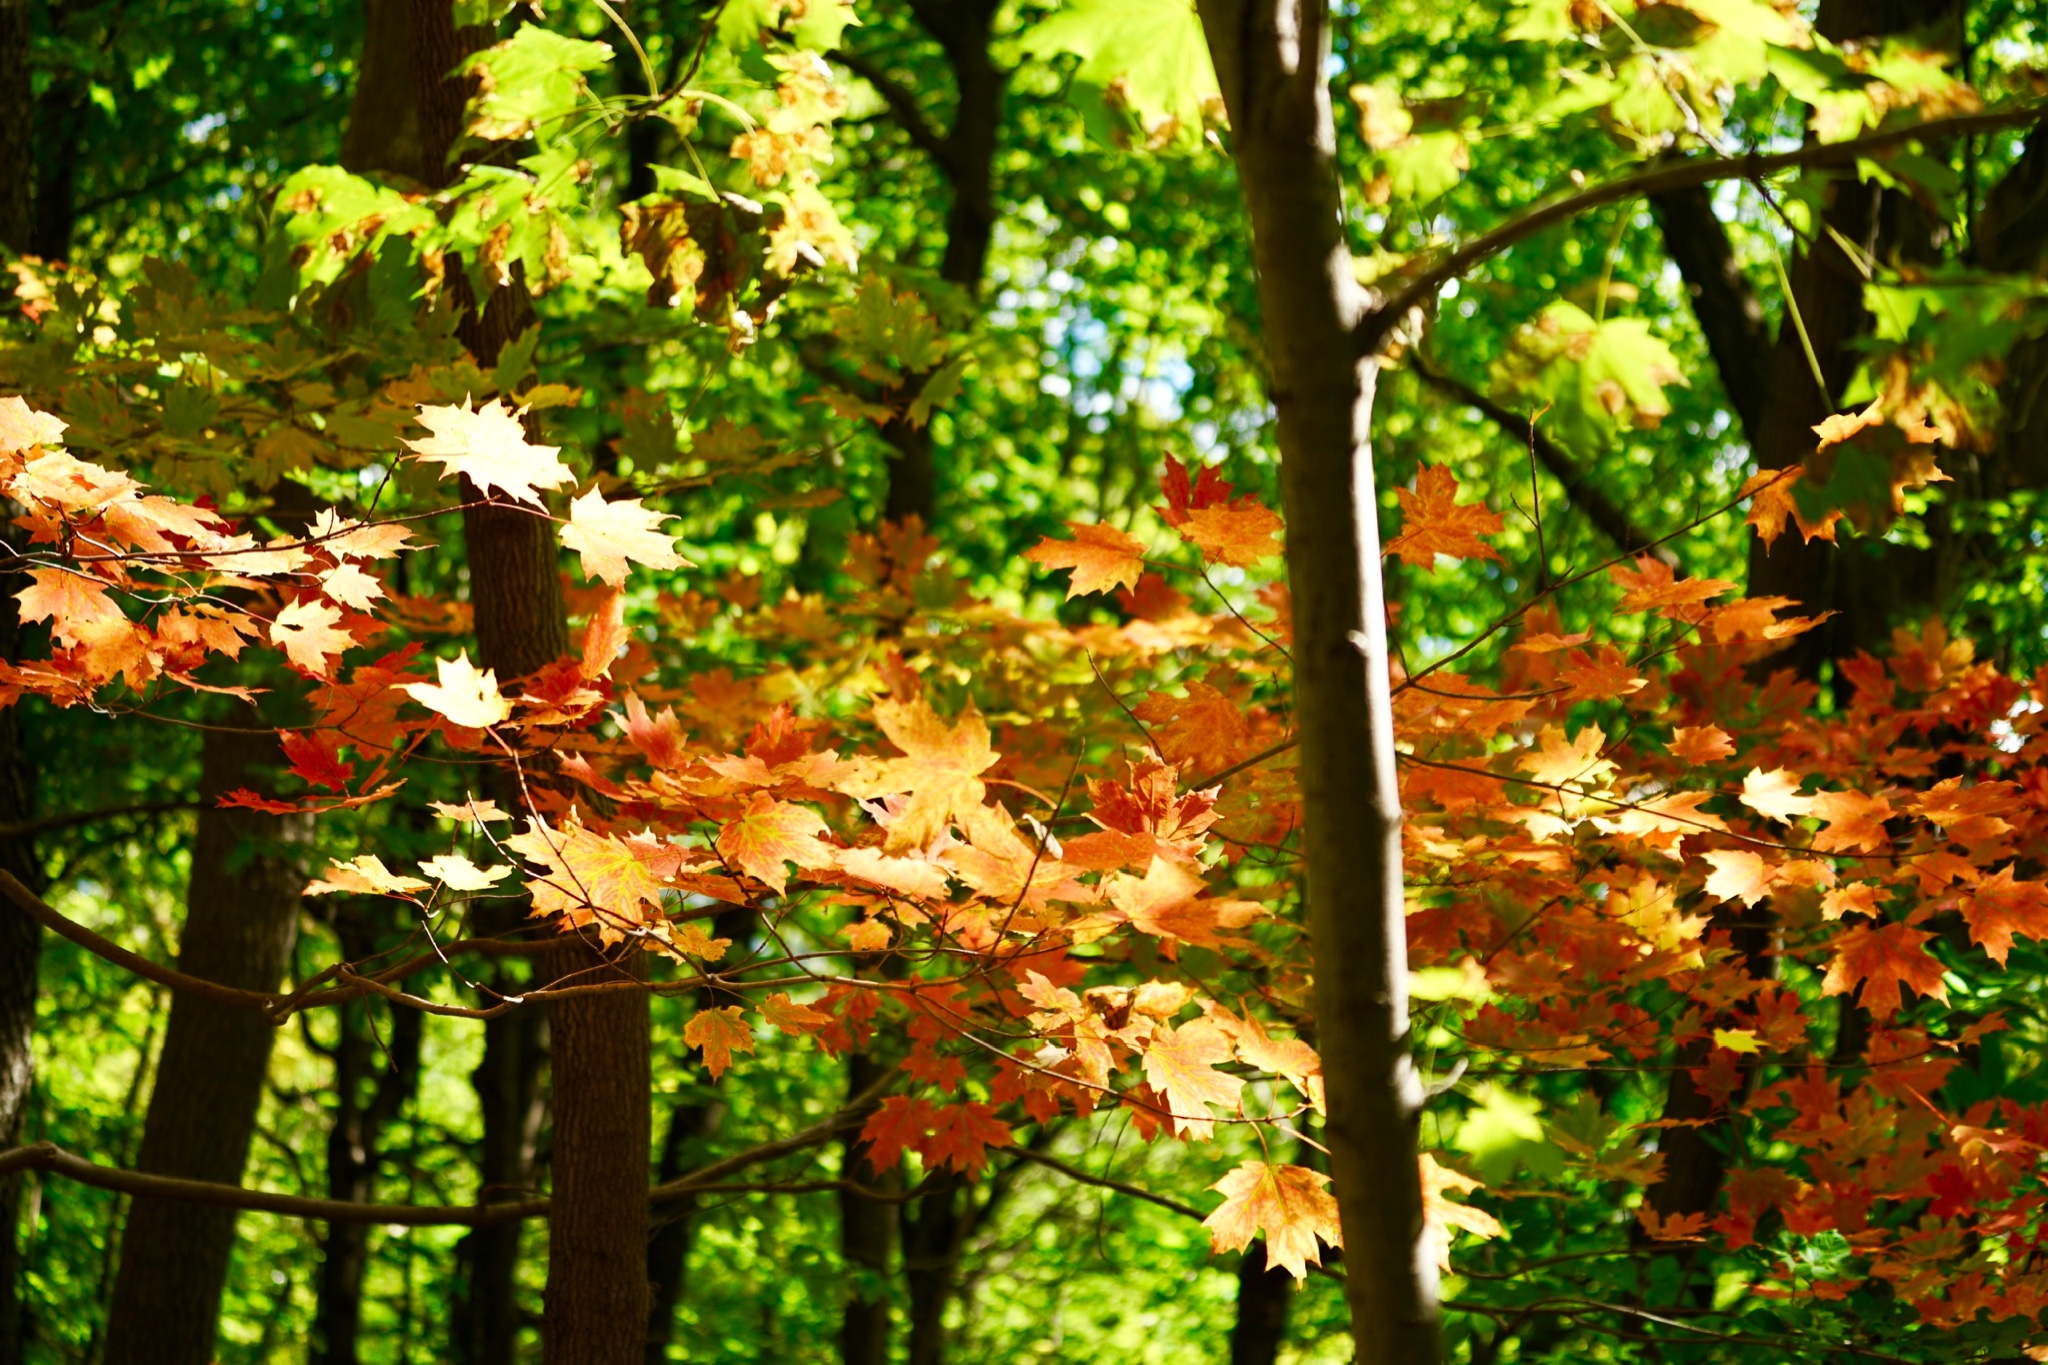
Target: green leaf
[(529, 82), (1597, 377), (1146, 57)]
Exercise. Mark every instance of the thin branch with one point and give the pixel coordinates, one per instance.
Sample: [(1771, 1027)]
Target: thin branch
[(904, 106), (89, 817), (1584, 494), (1135, 1191), (1678, 175)]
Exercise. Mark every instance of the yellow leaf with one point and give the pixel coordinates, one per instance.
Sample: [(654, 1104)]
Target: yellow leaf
[(365, 875), (939, 771), (1775, 794), (607, 534), (458, 873), (720, 1032), (1557, 761), (305, 630), (488, 446), (466, 696), (1179, 1065), (1739, 875), (1738, 1039), (1289, 1205), (1440, 1214)]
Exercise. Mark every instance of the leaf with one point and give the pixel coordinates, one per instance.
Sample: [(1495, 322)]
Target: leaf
[(1738, 1040), (305, 629), (939, 771), (350, 586), (1166, 903), (1697, 744), (1775, 794), (364, 875), (1558, 761), (792, 1018), (1244, 533), (466, 696), (1739, 875), (907, 876), (604, 637), (315, 758), (962, 1134), (488, 446), (1101, 557), (898, 1124), (592, 878), (1999, 907), (1178, 1064), (1652, 585), (1881, 959), (68, 600), (1440, 1213), (1434, 522), (607, 534), (23, 428), (720, 1032), (529, 82), (770, 834), (1145, 55), (1598, 376), (458, 873), (1290, 1206), (1773, 495)]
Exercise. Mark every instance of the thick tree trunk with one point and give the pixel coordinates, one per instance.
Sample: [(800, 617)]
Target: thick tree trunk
[(1731, 317), (352, 1160), (384, 114), (867, 1230), (1270, 58), (597, 1235), (241, 915)]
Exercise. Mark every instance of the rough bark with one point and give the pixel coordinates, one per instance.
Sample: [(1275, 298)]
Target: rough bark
[(383, 131), (17, 122), (353, 1154), (1270, 58), (1730, 315), (867, 1233), (241, 915), (596, 1296)]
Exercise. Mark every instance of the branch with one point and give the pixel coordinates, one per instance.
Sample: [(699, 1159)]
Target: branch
[(50, 1158), (1135, 1191), (1600, 509), (903, 105), (87, 817), (1373, 328)]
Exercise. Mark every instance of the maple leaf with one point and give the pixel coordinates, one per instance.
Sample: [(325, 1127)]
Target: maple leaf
[(791, 1017), (1677, 1227), (1652, 584), (961, 1135), (1883, 958), (365, 875), (898, 1124), (720, 1032), (488, 446), (305, 630), (1698, 744), (315, 758), (1440, 1213), (22, 427), (939, 771), (1434, 523), (458, 873), (1999, 907), (907, 876), (1101, 557), (68, 601), (1290, 1206), (607, 534), (1178, 1064), (1204, 729), (590, 878), (465, 695), (1855, 821), (1184, 498), (1773, 500), (1242, 533), (1775, 794), (1740, 875), (770, 834), (471, 811), (1166, 903), (350, 586), (1556, 760), (604, 637)]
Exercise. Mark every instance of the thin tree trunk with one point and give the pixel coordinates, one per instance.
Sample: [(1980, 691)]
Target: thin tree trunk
[(353, 1155), (1270, 58), (932, 1235), (1264, 1294), (668, 1248), (597, 1234), (867, 1230), (241, 915)]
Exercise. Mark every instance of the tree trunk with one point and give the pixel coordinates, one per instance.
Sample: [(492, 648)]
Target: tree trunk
[(668, 1248), (1264, 1294), (353, 1156), (383, 113), (867, 1227), (241, 916), (486, 1319), (1270, 58), (932, 1232), (597, 1236)]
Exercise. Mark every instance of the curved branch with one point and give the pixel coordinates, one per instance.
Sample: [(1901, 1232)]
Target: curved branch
[(1121, 1187), (86, 817), (1373, 328), (1584, 494), (903, 105)]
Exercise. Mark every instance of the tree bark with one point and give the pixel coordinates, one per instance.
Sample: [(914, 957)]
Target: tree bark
[(668, 1248), (867, 1231), (1731, 317), (1264, 1294), (353, 1157), (1270, 58), (383, 115), (597, 1278), (241, 917), (932, 1231)]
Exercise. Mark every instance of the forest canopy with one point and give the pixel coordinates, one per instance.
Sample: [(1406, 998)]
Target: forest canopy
[(878, 681)]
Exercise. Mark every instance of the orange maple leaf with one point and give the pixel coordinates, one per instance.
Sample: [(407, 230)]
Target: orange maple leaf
[(1440, 1213), (1739, 874), (590, 878), (1101, 557), (604, 637), (1241, 533), (1652, 585), (305, 630), (1999, 907), (1775, 794), (961, 1135), (720, 1032), (23, 428), (771, 833), (939, 771), (1179, 1065), (1883, 957), (1772, 502), (1203, 729), (1434, 522), (1556, 760), (1855, 822), (1697, 744), (899, 1124), (791, 1017), (1290, 1206), (68, 601), (1167, 903)]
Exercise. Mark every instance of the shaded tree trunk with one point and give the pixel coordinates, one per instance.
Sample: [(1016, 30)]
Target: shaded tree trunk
[(668, 1248), (867, 1231), (353, 1155), (1270, 58), (597, 1286), (1264, 1294), (933, 1229), (241, 915)]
